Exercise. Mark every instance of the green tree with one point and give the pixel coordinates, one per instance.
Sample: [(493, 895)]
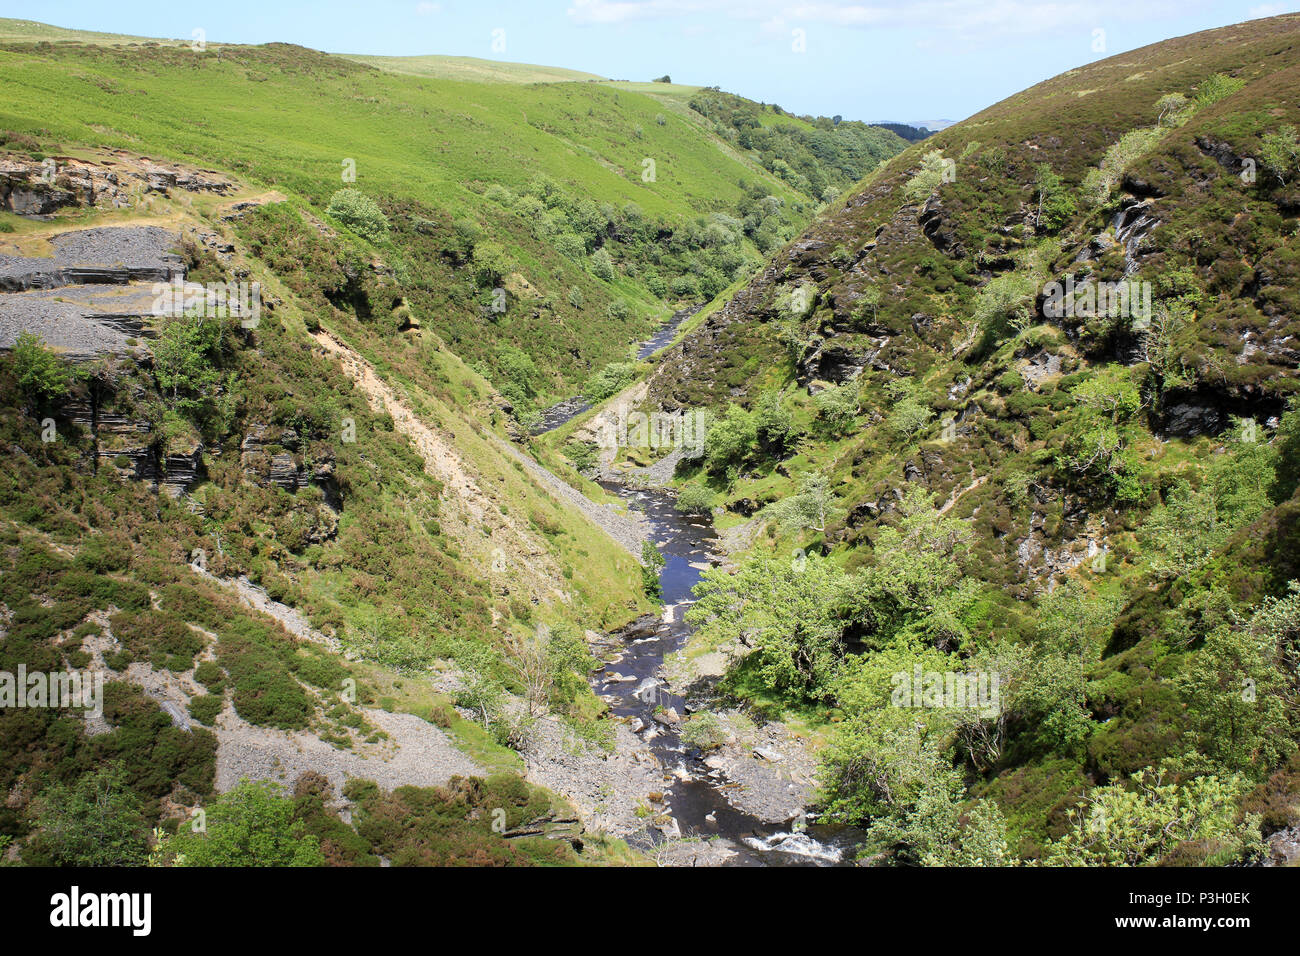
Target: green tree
[(773, 425), (695, 499), (1111, 394), (1173, 109), (909, 413), (928, 178), (610, 380), (188, 355), (651, 564), (359, 213), (1239, 701), (40, 373), (868, 305), (1140, 822), (1056, 203), (837, 409), (252, 825), (1101, 181), (808, 508), (491, 263), (916, 585), (1279, 153), (730, 440), (602, 265), (99, 821), (787, 609)]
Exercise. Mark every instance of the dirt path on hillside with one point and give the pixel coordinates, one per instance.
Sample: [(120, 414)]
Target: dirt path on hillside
[(529, 562), (440, 460)]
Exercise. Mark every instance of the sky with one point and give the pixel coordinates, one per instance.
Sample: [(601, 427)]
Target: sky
[(879, 60)]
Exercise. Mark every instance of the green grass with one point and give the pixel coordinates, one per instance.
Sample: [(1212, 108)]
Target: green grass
[(35, 32), (471, 69)]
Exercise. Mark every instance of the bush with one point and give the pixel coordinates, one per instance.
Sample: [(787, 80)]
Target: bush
[(491, 263), (99, 822), (570, 245), (928, 178), (610, 380), (652, 561), (704, 731), (38, 370), (695, 499), (602, 265), (359, 213), (252, 825), (205, 708), (210, 676)]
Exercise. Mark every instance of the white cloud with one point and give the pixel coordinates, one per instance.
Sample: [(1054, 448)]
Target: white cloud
[(427, 9)]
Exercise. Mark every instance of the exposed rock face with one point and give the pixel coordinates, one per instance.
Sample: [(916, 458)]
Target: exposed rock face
[(938, 230), (31, 188), (182, 470), (273, 457), (94, 295), (832, 362)]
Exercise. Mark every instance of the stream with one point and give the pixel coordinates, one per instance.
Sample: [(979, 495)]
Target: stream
[(693, 792), (559, 413)]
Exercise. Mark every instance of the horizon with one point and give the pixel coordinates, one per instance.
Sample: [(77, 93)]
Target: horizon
[(796, 55)]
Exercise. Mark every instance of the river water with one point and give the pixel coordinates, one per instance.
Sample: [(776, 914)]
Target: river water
[(559, 413), (693, 792)]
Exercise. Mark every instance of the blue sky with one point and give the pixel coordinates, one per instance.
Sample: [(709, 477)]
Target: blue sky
[(958, 55)]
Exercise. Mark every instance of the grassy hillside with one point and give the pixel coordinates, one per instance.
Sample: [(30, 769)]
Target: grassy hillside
[(525, 179), (33, 31), (1095, 504), (471, 69)]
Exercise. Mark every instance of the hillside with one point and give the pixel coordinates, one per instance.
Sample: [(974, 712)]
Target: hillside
[(955, 523), (1014, 471), (299, 540), (609, 208)]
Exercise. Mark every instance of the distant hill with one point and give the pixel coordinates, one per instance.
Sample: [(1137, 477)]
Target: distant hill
[(913, 134), (471, 68)]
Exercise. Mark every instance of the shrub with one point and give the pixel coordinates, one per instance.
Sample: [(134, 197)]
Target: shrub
[(1132, 146), (610, 380), (928, 178), (695, 499), (252, 825), (97, 822), (570, 245), (837, 409), (602, 265), (1217, 87), (1279, 153), (38, 370), (359, 213), (205, 708), (704, 731), (652, 561)]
